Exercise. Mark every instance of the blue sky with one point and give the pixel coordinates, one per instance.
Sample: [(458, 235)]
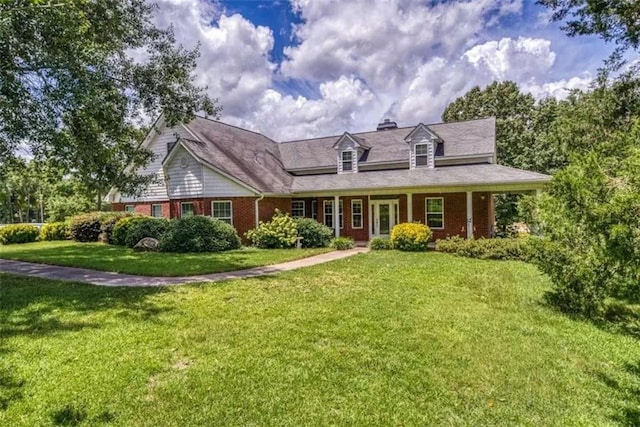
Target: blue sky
[(305, 68)]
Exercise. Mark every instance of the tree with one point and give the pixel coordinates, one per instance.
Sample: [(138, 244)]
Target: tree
[(615, 21), (77, 76), (515, 112), (591, 219)]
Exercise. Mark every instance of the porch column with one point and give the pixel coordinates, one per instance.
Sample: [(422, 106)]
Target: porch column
[(336, 215), (538, 192), (409, 207), (469, 214)]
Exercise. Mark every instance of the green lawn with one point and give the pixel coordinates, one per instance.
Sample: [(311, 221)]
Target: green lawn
[(382, 338), (98, 256)]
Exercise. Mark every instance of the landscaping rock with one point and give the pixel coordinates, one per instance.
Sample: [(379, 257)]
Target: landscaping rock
[(148, 244)]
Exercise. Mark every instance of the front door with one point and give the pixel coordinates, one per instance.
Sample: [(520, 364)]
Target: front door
[(384, 215)]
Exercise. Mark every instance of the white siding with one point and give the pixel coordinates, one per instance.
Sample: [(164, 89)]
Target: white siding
[(184, 182), (217, 185), (422, 137), (157, 191)]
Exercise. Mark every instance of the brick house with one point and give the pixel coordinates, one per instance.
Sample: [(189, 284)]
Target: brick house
[(360, 184)]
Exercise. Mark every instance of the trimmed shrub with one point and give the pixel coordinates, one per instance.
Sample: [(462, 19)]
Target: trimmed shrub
[(55, 231), (107, 223), (18, 233), (341, 243), (147, 227), (122, 226), (410, 236), (380, 244), (280, 232), (314, 234), (86, 227), (199, 234), (515, 249)]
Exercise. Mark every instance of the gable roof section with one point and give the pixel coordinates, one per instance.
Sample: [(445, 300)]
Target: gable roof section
[(424, 128), (469, 138), (357, 141), (249, 157)]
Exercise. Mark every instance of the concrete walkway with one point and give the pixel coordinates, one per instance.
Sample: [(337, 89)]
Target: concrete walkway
[(104, 278)]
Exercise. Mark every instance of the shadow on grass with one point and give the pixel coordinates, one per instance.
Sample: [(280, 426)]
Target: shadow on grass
[(10, 388), (629, 414), (37, 307)]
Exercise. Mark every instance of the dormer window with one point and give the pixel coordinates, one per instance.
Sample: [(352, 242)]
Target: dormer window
[(424, 145), (347, 161), (422, 154)]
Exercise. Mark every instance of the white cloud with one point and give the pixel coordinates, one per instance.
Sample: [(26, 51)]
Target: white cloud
[(363, 60), (234, 62), (509, 59), (559, 89)]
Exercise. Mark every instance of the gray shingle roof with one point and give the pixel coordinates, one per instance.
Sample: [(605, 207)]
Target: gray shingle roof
[(472, 137), (464, 175), (247, 156)]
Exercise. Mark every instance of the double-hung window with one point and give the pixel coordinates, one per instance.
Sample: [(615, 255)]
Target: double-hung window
[(187, 209), (422, 154), (347, 161), (328, 213), (129, 208), (222, 210), (156, 211), (314, 209), (297, 209), (356, 213), (435, 212)]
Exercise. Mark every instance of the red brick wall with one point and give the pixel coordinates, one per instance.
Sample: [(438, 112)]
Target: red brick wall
[(455, 214)]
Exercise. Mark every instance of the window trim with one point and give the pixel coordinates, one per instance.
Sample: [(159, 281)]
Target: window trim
[(304, 209), (351, 161), (426, 212), (182, 208), (361, 214), (340, 213), (324, 212), (154, 205), (230, 218), (130, 208), (425, 155)]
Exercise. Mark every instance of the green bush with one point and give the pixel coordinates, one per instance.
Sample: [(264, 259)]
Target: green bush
[(341, 243), (507, 248), (380, 244), (146, 227), (18, 233), (86, 227), (199, 234), (122, 226), (280, 232), (108, 222), (314, 234), (410, 236), (60, 230)]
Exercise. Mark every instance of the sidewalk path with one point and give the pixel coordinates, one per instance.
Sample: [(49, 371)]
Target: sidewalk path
[(104, 278)]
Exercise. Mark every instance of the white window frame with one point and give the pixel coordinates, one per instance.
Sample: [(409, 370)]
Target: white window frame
[(425, 155), (153, 206), (130, 208), (361, 214), (340, 213), (326, 203), (182, 215), (351, 160), (230, 218), (304, 209), (314, 209), (426, 212)]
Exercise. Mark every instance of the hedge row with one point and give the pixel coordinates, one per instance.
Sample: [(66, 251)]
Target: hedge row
[(18, 233), (507, 248)]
